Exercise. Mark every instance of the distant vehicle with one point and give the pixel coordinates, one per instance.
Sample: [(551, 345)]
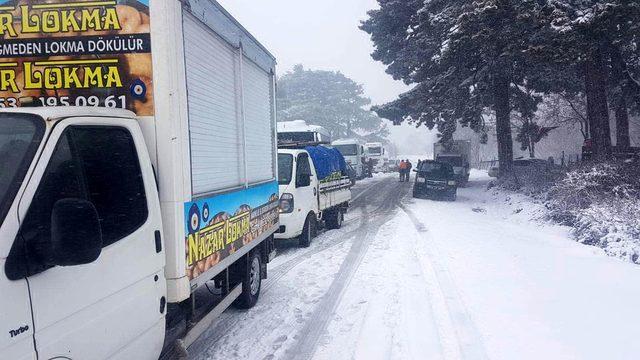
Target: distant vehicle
[(435, 178), (351, 172), (298, 131), (394, 165), (353, 153), (378, 154), (457, 153), (314, 191), (526, 167)]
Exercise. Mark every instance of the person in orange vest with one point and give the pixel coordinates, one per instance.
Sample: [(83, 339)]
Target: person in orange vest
[(402, 169)]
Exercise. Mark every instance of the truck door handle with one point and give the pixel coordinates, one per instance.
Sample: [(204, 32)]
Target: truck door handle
[(158, 240), (315, 192)]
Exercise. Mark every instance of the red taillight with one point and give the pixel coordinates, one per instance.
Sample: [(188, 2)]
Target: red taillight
[(588, 143)]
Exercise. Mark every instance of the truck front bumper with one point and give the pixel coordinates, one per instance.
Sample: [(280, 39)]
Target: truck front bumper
[(290, 225), (426, 189)]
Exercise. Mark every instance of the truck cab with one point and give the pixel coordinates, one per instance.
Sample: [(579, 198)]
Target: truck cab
[(81, 247), (456, 153), (298, 131), (377, 153), (354, 154), (307, 202)]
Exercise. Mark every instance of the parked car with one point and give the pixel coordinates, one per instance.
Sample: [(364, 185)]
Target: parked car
[(435, 178), (525, 167)]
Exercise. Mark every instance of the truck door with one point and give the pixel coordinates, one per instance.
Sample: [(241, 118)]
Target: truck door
[(20, 138), (111, 307), (16, 338), (306, 184)]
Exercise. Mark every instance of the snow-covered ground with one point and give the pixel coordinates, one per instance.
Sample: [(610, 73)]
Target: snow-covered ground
[(419, 279)]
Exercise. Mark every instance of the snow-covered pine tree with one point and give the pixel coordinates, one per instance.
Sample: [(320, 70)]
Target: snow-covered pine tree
[(462, 56), (331, 100)]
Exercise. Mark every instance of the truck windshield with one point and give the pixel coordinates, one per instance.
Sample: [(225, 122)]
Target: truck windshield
[(285, 168), (347, 150), (294, 137), (20, 135), (453, 160), (375, 151)]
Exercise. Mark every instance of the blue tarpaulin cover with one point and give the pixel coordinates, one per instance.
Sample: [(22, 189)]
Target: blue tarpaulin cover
[(328, 161)]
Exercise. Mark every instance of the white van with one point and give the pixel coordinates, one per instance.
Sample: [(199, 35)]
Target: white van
[(111, 213)]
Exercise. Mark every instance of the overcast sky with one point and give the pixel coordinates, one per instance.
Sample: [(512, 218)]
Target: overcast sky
[(324, 35)]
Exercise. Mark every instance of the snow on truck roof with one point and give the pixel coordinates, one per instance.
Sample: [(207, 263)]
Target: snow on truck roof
[(300, 126), (55, 113), (345, 142)]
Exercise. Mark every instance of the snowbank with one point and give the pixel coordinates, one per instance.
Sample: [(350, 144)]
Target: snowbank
[(602, 203)]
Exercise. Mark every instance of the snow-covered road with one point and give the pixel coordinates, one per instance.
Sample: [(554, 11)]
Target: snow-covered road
[(422, 279)]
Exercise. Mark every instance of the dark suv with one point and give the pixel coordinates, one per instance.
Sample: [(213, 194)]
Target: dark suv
[(435, 178)]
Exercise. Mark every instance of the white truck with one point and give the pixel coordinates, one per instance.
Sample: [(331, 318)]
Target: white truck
[(113, 215), (354, 154), (309, 199), (377, 153), (298, 131), (457, 153)]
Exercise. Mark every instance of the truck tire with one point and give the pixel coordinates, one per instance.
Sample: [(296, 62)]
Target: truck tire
[(251, 282), (453, 196), (334, 219), (308, 231)]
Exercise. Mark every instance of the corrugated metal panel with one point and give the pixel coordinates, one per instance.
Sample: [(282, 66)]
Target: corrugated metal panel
[(215, 129), (218, 19), (258, 115)]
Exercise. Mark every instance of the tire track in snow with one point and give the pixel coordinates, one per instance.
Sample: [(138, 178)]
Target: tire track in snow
[(281, 269), (318, 321), (459, 336), (229, 320)]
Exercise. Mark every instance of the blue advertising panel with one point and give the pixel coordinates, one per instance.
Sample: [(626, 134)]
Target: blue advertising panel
[(219, 226)]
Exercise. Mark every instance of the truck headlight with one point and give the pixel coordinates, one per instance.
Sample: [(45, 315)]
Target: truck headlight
[(421, 180), (451, 183), (286, 203)]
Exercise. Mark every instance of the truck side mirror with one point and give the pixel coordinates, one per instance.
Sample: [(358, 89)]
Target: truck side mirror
[(76, 235)]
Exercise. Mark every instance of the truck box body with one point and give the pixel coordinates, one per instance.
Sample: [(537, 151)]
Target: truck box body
[(458, 154), (207, 117)]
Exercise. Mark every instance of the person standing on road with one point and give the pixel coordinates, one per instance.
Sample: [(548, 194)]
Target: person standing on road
[(407, 172), (401, 169)]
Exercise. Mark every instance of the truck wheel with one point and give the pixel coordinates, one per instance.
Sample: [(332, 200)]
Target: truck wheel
[(453, 196), (251, 283), (335, 218), (416, 195), (308, 232)]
